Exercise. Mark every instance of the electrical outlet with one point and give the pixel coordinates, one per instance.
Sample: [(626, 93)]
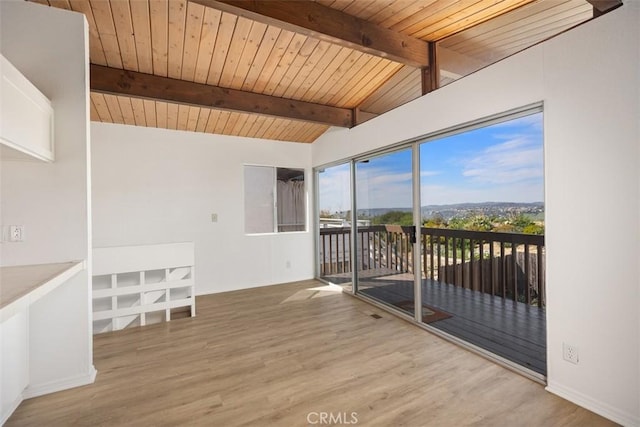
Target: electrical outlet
[(16, 233), (570, 353)]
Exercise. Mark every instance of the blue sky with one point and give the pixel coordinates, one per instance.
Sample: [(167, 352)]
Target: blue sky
[(498, 163)]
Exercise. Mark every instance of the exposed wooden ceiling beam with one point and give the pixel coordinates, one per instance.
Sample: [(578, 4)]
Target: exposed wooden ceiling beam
[(315, 20), (139, 85)]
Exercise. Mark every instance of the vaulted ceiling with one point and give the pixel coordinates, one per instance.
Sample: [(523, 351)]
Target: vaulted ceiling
[(288, 70)]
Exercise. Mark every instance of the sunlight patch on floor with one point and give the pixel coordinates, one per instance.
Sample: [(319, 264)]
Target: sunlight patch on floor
[(316, 292)]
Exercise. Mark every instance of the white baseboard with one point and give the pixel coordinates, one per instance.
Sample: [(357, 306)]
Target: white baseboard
[(11, 409), (600, 408), (34, 390)]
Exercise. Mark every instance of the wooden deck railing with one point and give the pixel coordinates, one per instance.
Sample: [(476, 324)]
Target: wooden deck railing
[(510, 265)]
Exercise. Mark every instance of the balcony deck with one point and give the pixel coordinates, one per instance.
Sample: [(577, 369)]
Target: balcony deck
[(510, 329)]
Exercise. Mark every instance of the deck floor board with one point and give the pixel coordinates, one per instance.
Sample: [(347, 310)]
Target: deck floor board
[(510, 329)]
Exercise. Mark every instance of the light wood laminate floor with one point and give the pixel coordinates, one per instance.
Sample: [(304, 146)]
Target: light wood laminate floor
[(272, 355)]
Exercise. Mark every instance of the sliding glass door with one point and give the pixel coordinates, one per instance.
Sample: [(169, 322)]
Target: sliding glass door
[(452, 223), (385, 229)]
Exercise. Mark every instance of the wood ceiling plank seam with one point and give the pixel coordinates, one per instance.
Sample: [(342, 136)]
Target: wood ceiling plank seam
[(312, 136), (529, 30), (296, 65), (327, 3), (312, 77), (387, 88), (96, 51), (208, 36), (359, 8), (299, 134), (524, 43), (375, 78), (257, 33), (141, 21), (176, 29), (409, 88), (93, 113), (121, 14), (264, 52), (341, 4), (309, 65), (159, 21), (161, 114), (444, 17), (285, 128), (292, 131), (233, 119), (538, 9), (264, 127), (60, 4), (361, 66), (114, 108), (519, 19), (138, 112), (412, 90), (150, 112), (475, 18), (285, 63), (334, 67), (127, 110), (375, 8), (342, 79), (251, 119), (172, 116), (242, 120), (279, 50), (192, 36), (221, 122), (192, 120), (532, 33), (439, 11), (392, 8), (399, 14), (308, 133), (257, 125), (101, 107), (432, 12), (183, 116), (211, 121), (203, 118), (223, 41), (270, 129), (106, 28), (236, 47)]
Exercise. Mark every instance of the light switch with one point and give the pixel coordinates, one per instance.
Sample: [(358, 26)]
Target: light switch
[(214, 217)]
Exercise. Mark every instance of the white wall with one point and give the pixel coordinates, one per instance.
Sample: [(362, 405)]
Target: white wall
[(588, 79), (159, 186), (49, 46)]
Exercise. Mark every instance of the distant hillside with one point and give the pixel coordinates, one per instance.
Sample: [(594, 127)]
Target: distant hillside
[(462, 209)]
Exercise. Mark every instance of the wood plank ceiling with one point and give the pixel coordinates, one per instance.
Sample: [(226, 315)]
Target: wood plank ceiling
[(226, 45)]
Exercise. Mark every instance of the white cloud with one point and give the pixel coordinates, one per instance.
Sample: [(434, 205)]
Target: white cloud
[(516, 160)]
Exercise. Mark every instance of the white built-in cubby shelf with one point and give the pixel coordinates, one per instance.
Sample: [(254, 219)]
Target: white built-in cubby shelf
[(139, 285), (26, 117)]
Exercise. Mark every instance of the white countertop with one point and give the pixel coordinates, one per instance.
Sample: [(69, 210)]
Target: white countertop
[(22, 285)]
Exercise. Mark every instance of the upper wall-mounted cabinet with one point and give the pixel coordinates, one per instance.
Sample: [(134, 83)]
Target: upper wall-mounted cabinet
[(26, 117)]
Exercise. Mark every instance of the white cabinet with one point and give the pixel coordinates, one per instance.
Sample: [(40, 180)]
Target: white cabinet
[(26, 117)]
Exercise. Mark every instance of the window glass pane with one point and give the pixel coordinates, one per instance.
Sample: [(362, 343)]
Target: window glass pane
[(259, 183), (291, 200)]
